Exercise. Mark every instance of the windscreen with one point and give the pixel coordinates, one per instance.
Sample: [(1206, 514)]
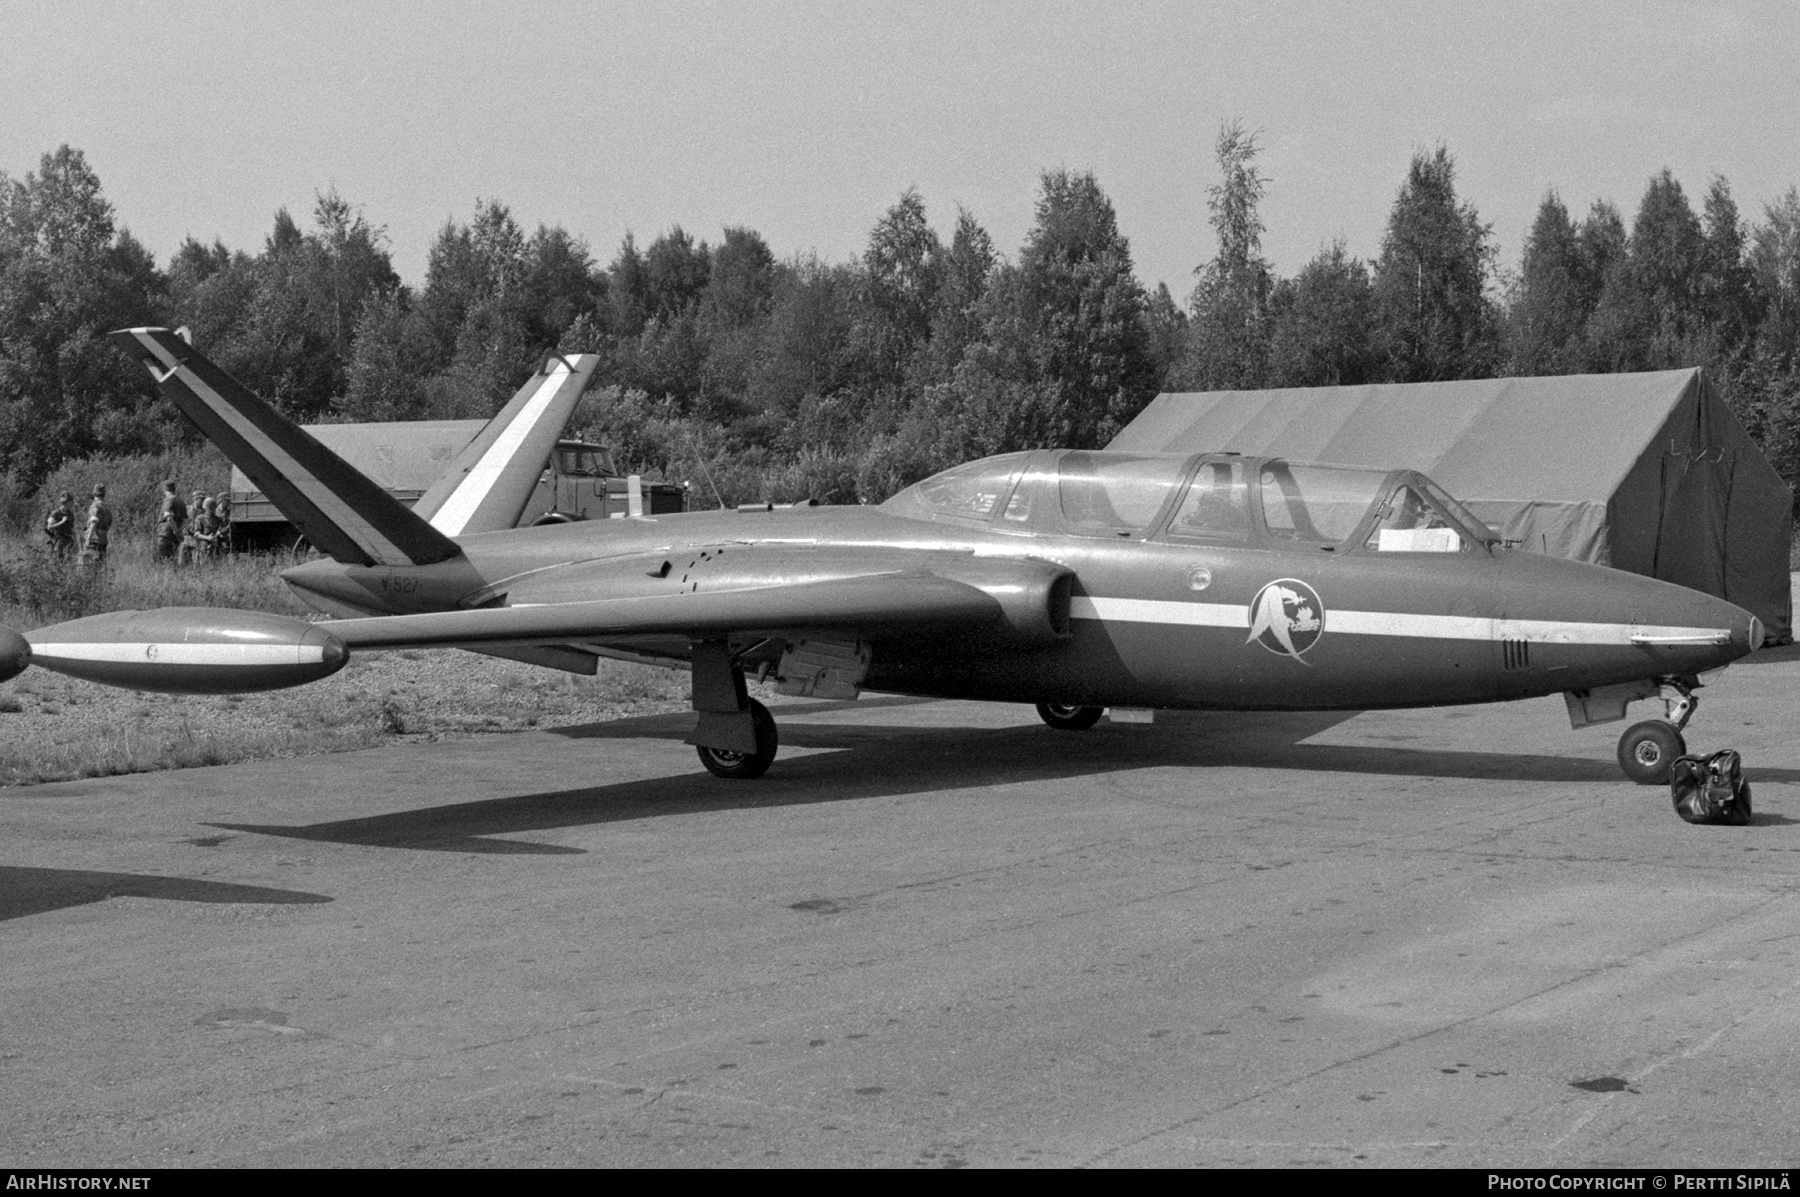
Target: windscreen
[(1410, 524), (1318, 504), (1419, 517), (1471, 523)]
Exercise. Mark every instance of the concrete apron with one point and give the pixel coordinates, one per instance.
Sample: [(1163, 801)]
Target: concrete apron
[(935, 934)]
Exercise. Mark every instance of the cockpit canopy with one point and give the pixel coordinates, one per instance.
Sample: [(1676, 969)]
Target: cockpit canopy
[(1210, 498)]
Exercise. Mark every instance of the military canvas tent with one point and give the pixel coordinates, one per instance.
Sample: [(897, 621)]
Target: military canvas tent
[(405, 457), (1643, 472)]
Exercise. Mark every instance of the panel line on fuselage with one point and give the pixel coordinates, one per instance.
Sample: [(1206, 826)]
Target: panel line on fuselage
[(1415, 625)]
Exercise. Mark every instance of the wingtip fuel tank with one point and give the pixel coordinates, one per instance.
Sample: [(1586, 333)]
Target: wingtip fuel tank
[(15, 654), (188, 650)]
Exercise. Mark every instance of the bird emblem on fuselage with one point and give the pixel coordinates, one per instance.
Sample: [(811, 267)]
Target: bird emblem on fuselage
[(1286, 617)]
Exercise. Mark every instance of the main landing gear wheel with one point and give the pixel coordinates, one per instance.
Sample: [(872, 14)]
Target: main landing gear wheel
[(722, 762), (1068, 718), (1647, 749)]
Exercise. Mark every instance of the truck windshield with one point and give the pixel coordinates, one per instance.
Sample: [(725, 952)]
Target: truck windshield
[(592, 462)]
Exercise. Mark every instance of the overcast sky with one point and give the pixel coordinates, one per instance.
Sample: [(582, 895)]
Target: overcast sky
[(805, 121)]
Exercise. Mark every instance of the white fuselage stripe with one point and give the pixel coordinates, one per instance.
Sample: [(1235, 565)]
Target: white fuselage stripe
[(165, 653), (1393, 623), (1203, 615), (335, 509), (469, 494)]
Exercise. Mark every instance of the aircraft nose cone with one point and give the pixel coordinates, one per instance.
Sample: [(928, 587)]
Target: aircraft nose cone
[(1739, 631), (1753, 636), (15, 654), (1604, 626)]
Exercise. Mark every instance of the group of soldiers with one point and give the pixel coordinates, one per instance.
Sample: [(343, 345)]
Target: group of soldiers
[(186, 532)]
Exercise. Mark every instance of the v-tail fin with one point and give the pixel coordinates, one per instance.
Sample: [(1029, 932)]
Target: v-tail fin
[(487, 486), (340, 510)]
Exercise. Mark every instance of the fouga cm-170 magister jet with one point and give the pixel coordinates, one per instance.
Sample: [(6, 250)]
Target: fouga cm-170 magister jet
[(1072, 579)]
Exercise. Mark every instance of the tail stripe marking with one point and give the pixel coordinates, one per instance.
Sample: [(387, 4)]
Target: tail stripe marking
[(322, 496), (461, 506)]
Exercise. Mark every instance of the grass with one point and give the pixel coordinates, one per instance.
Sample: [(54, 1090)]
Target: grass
[(54, 728), (37, 587), (149, 750)]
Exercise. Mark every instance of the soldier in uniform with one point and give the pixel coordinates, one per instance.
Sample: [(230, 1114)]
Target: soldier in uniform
[(59, 525), (222, 510), (205, 530), (171, 522), (190, 546), (99, 526)]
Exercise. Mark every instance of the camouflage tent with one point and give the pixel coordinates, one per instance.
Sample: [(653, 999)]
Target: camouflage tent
[(405, 457), (1649, 473)]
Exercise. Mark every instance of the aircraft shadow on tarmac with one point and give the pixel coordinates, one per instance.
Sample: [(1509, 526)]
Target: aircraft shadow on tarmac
[(872, 761), (27, 891)]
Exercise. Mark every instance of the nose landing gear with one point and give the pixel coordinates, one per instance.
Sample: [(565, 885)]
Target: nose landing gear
[(1647, 749), (1065, 717)]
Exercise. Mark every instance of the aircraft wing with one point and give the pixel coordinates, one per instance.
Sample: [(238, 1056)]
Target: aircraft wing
[(868, 604), (974, 603)]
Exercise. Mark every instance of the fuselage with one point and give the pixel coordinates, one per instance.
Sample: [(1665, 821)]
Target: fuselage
[(1172, 603)]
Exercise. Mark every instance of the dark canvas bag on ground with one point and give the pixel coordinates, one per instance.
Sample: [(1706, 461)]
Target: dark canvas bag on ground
[(1711, 789)]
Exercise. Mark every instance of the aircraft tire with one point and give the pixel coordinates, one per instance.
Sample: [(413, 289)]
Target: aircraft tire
[(1068, 718), (1647, 749), (742, 766)]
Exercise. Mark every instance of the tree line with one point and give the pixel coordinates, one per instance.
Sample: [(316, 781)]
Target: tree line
[(754, 377)]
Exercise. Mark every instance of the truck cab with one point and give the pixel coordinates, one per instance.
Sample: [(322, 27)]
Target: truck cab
[(580, 482)]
